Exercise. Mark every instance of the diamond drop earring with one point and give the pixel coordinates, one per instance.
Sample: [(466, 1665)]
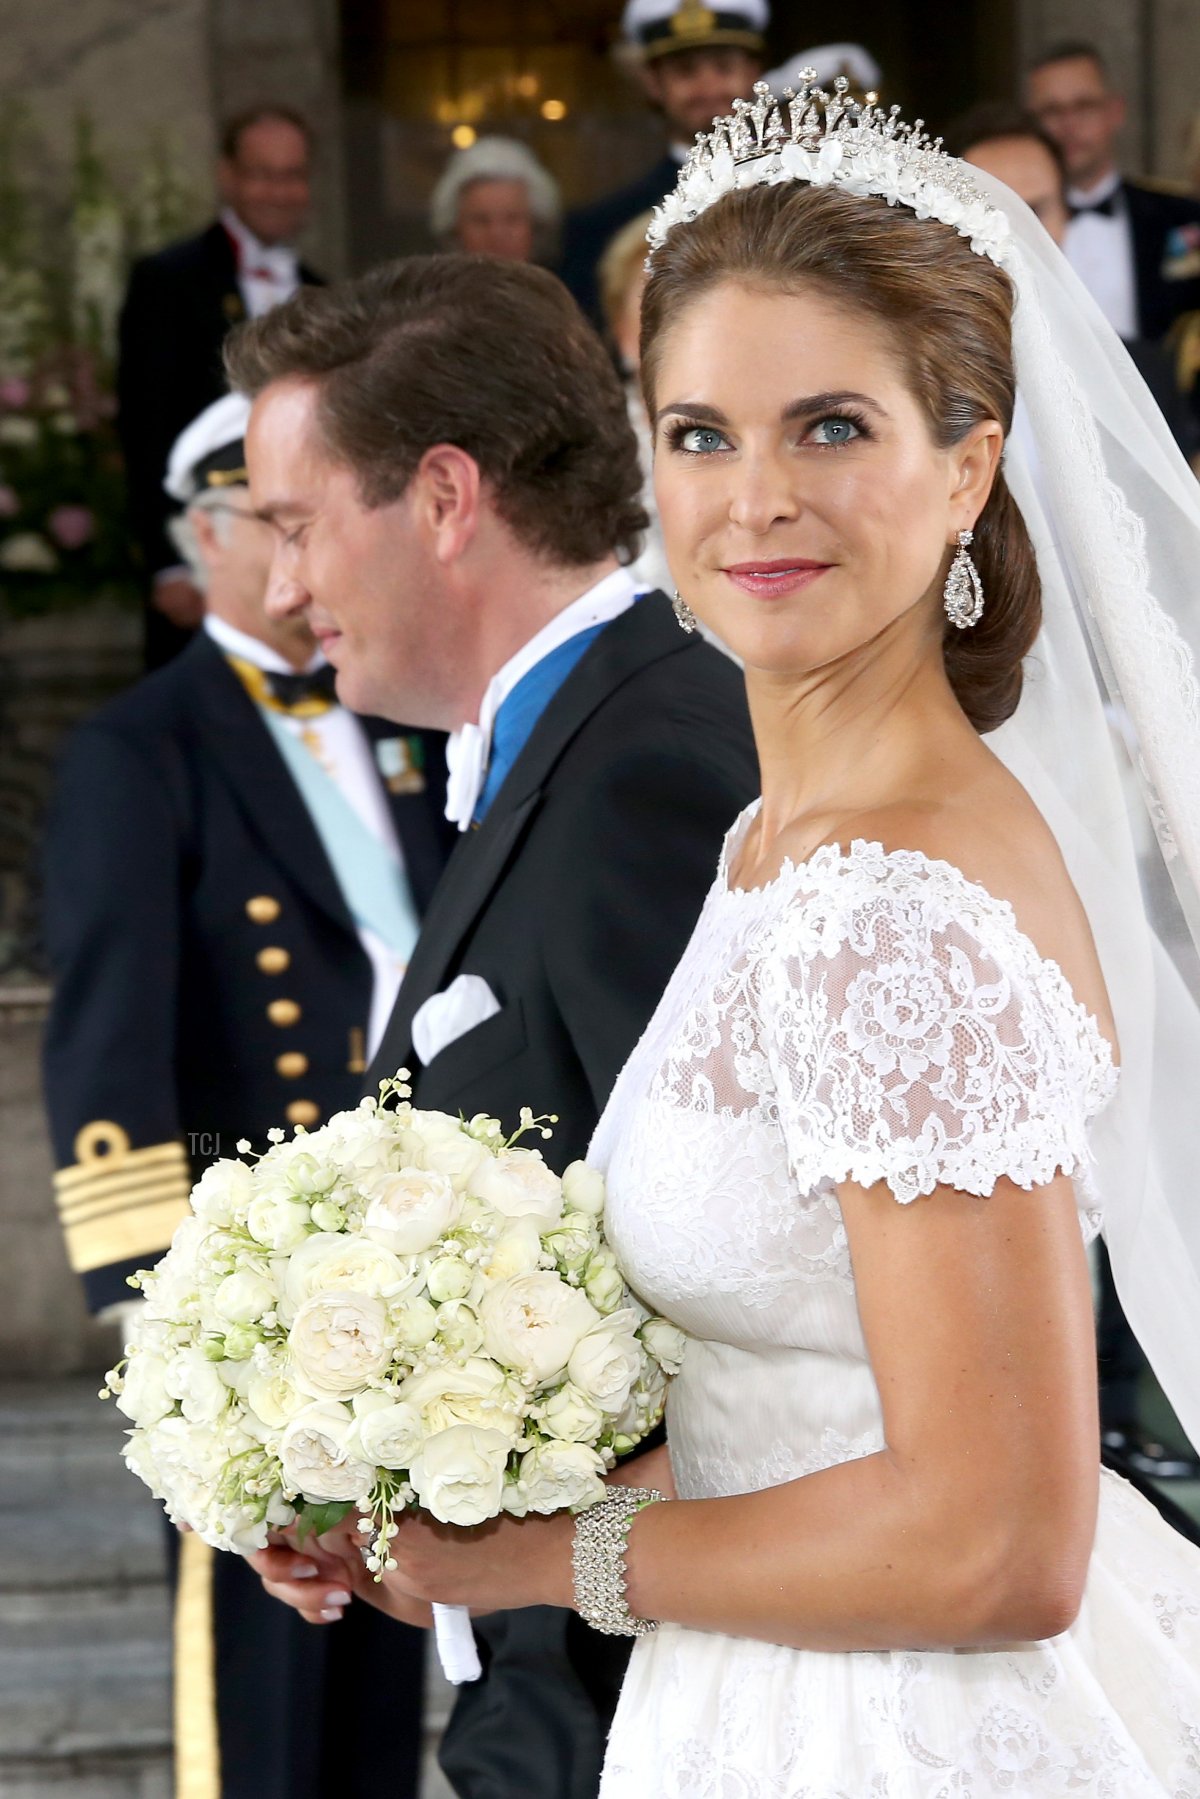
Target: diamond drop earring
[(963, 596), (683, 612)]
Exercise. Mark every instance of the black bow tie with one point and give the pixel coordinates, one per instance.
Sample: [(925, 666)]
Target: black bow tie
[(1107, 207), (293, 690)]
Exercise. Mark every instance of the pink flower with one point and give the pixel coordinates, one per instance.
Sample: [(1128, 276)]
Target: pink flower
[(14, 393), (72, 526), (10, 505)]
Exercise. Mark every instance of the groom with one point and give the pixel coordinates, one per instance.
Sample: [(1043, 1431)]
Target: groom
[(443, 451)]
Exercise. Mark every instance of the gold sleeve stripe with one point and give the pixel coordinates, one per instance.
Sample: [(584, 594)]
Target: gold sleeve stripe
[(82, 1211), (112, 1186), (197, 1743), (102, 1168), (134, 1233)]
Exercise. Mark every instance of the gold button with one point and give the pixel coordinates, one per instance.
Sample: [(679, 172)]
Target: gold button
[(283, 1011), (263, 909), (292, 1065), (303, 1111), (273, 960)]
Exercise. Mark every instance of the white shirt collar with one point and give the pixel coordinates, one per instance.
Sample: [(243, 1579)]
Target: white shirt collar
[(252, 649), (470, 746), (280, 259), (1098, 193)]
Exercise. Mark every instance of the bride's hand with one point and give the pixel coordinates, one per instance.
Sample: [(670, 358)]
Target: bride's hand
[(502, 1565), (319, 1579)]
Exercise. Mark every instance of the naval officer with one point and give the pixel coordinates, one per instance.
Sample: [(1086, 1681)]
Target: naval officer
[(236, 867)]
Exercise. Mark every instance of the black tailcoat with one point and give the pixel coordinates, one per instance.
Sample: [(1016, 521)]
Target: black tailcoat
[(574, 900), (186, 891), (180, 306), (589, 230)]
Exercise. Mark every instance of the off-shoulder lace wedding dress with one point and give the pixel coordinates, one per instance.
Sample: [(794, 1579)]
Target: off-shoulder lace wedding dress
[(872, 1016)]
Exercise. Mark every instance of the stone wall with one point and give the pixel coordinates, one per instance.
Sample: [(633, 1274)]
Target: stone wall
[(141, 69)]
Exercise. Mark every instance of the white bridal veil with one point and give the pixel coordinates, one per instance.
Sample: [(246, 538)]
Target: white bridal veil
[(1114, 513)]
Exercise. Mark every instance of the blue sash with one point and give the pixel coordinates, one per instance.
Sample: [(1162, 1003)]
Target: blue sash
[(372, 882)]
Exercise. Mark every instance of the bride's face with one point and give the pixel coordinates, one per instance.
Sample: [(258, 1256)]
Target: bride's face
[(806, 510)]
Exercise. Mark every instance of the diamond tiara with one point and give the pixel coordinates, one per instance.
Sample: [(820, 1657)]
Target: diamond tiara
[(828, 139)]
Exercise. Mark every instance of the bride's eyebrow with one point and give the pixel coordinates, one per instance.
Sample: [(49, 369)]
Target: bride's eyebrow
[(804, 407)]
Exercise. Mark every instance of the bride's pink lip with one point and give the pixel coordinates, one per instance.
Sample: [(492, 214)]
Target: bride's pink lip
[(785, 575)]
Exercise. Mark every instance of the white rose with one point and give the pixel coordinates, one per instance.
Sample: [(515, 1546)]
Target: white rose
[(583, 1189), (338, 1342), (642, 1410), (304, 1173), (518, 1183), (273, 1399), (415, 1323), (449, 1278), (192, 1379), (223, 1192), (555, 1476), (604, 1283), (277, 1223), (364, 1140), (476, 1393), (408, 1212), (459, 1329), (666, 1343), (329, 1260), (607, 1361), (316, 1457), (459, 1474), (144, 1396), (573, 1241), (389, 1435), (459, 1158), (533, 1323), (517, 1250), (242, 1298), (572, 1416)]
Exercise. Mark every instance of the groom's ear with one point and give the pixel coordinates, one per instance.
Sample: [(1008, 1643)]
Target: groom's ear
[(445, 492)]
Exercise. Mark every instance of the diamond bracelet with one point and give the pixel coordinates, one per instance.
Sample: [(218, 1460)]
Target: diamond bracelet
[(598, 1560)]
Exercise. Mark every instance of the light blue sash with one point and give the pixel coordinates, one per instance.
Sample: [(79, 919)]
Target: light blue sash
[(373, 884)]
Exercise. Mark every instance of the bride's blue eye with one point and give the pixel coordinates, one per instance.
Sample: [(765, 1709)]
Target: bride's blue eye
[(698, 440), (837, 429)]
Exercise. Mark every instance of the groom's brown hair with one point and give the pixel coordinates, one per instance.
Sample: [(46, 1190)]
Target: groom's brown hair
[(489, 355)]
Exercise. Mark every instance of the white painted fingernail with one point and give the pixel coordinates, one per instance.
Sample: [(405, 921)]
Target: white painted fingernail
[(304, 1571), (332, 1614), (337, 1597)]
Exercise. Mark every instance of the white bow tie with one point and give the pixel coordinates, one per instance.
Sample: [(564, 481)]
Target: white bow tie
[(467, 755)]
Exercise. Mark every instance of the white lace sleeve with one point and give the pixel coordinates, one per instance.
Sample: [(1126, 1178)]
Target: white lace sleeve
[(915, 1036)]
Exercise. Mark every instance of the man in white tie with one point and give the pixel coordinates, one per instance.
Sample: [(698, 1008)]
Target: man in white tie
[(443, 451), (1134, 245), (181, 304)]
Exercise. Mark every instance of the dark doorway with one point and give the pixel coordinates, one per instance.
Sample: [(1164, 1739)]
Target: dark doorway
[(422, 74)]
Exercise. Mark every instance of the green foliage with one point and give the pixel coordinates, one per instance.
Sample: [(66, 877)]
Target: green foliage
[(315, 1520)]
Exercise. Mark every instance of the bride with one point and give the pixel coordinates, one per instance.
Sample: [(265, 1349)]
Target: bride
[(881, 1107)]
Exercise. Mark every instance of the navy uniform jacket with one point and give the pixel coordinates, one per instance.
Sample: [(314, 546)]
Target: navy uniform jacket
[(574, 900), (209, 981), (589, 230), (1165, 228), (181, 304)]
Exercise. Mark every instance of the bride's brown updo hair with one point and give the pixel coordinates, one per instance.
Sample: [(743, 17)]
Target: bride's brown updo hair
[(948, 313)]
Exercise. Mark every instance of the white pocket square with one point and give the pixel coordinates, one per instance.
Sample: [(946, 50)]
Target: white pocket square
[(466, 1002)]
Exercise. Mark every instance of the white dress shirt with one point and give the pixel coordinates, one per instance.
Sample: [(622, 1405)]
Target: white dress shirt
[(470, 746), (344, 751), (267, 273), (1100, 250)]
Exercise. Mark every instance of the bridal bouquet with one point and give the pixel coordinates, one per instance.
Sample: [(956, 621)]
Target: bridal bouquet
[(398, 1309)]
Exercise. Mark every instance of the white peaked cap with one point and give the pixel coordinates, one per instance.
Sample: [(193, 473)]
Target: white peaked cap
[(829, 61), (690, 24), (220, 427)]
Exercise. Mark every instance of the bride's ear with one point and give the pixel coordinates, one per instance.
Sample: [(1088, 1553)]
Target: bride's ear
[(973, 465)]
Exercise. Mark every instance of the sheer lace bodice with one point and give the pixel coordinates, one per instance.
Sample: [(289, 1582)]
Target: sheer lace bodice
[(867, 1015)]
